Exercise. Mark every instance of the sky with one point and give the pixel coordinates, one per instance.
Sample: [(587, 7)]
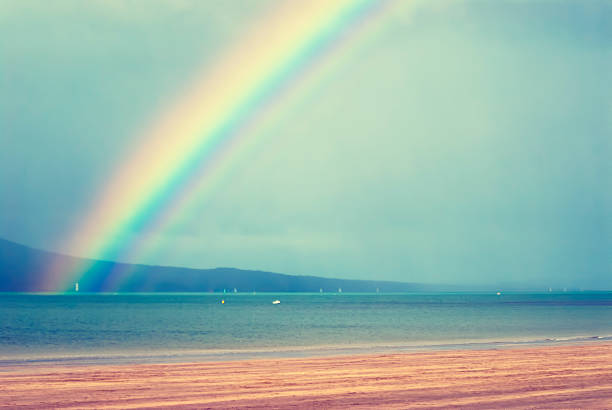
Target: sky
[(458, 142)]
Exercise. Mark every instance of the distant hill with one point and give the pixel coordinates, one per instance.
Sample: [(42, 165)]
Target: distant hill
[(21, 270)]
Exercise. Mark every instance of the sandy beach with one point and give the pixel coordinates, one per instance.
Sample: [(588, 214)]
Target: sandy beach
[(578, 376)]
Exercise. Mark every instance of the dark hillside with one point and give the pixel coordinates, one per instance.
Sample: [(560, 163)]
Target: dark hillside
[(21, 270)]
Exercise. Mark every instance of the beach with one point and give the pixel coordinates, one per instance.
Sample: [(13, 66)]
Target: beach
[(571, 376)]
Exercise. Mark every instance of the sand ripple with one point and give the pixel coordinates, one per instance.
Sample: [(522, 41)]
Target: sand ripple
[(538, 377)]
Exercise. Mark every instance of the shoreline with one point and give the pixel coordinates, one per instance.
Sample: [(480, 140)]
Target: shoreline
[(571, 375), (284, 352)]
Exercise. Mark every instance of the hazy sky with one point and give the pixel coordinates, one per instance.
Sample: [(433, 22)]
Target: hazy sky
[(468, 142)]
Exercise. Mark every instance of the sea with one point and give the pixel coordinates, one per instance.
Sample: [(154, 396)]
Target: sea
[(82, 328)]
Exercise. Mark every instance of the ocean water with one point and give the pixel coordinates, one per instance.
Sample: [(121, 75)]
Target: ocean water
[(183, 327)]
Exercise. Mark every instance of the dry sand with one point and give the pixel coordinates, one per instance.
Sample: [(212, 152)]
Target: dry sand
[(537, 377)]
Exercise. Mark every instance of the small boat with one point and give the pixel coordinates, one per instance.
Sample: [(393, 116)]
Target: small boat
[(276, 302)]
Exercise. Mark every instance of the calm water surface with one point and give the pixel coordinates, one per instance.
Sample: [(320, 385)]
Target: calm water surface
[(197, 325)]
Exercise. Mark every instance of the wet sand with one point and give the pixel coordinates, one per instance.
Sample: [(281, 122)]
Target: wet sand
[(538, 377)]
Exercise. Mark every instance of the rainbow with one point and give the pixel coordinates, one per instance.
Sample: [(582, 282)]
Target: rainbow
[(184, 148)]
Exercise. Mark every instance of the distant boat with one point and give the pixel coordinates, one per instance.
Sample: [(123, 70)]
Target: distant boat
[(76, 287), (276, 302)]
